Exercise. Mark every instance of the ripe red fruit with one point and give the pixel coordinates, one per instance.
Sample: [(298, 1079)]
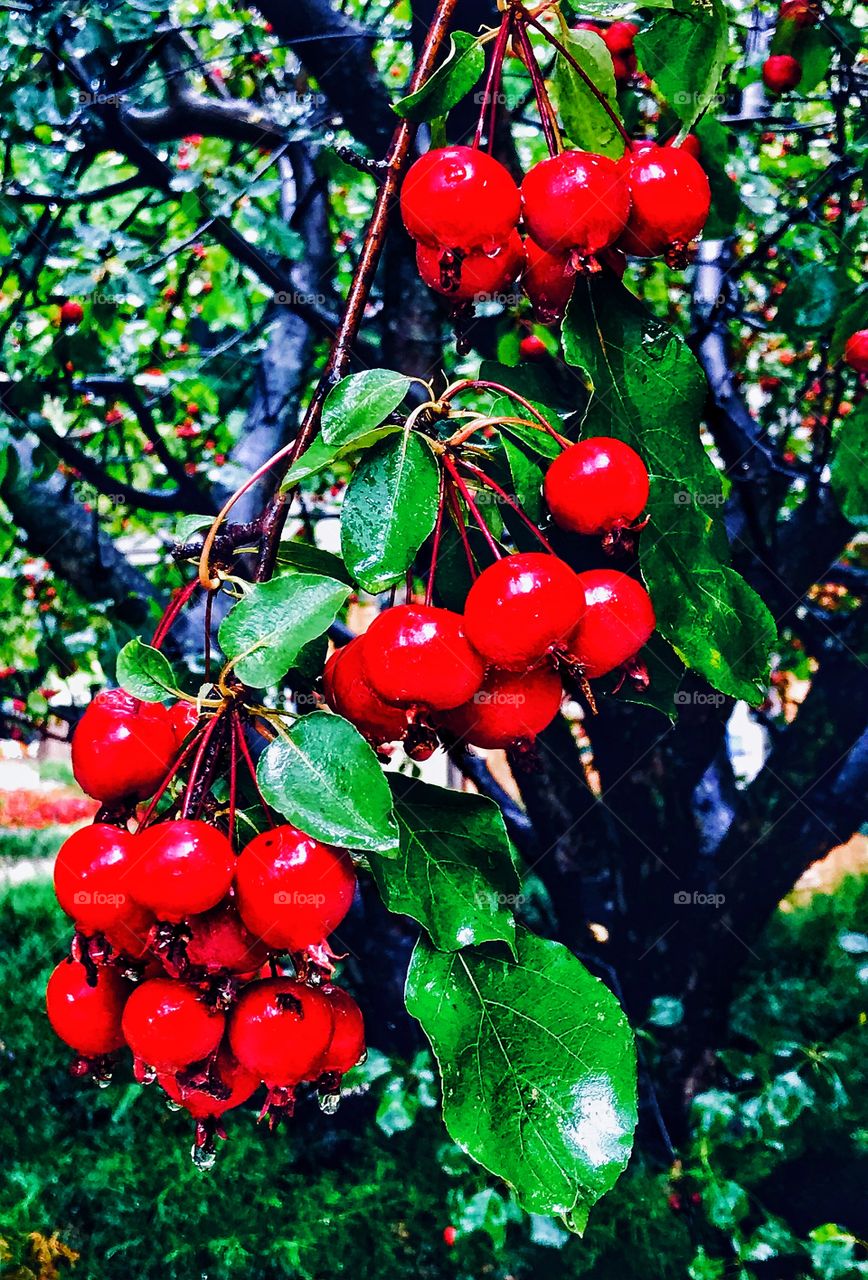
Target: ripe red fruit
[(292, 890), (802, 13), (71, 312), (348, 693), (221, 942), (856, 351), (596, 485), (618, 620), (280, 1030), (183, 718), (474, 276), (619, 37), (781, 72), (416, 655), (520, 607), (181, 868), (624, 66), (548, 280), (89, 877), (87, 1018), (347, 1045), (532, 347), (459, 198), (689, 143), (670, 199), (168, 1027), (510, 707), (575, 201), (201, 1104), (122, 748)]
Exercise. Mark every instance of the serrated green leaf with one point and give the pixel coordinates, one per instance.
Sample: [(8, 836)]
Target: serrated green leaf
[(454, 872), (538, 1067), (145, 673), (849, 473), (312, 559), (389, 510), (685, 54), (265, 632), (325, 779), (585, 119), (455, 77), (361, 403)]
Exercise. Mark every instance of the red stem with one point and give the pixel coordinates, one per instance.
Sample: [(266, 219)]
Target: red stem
[(248, 759), (164, 785), (492, 83), (544, 106), (197, 764), (471, 506), (174, 607), (470, 383), (458, 517), (504, 496), (438, 529), (233, 775)]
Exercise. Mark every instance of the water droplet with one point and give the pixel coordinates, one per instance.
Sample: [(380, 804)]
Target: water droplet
[(173, 1105), (103, 1083), (203, 1158), (329, 1103)]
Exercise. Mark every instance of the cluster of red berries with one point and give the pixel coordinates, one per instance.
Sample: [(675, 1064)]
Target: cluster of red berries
[(618, 38), (782, 71), (579, 209), (490, 677), (180, 946)]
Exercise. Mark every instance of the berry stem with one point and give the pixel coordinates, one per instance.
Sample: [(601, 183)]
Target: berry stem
[(543, 102), (470, 503), (164, 785), (510, 502), (174, 608), (492, 83), (438, 530), (473, 384), (458, 517), (191, 794), (233, 774), (248, 760)]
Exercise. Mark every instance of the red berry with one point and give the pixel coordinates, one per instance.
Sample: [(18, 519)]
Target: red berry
[(474, 276), (199, 1102), (280, 1030), (71, 312), (449, 1233), (521, 607), (181, 868), (589, 26), (618, 620), (614, 260), (89, 877), (532, 347), (347, 1046), (122, 748), (670, 198), (459, 198), (856, 351), (87, 1018), (781, 72), (292, 890), (619, 37), (802, 13), (596, 485), (168, 1027), (131, 936), (348, 693), (575, 200), (689, 143), (510, 707), (183, 718), (548, 280), (624, 66), (220, 942), (416, 655)]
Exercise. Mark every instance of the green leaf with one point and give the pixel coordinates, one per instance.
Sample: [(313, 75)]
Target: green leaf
[(650, 391), (389, 510), (325, 779), (455, 77), (726, 203), (360, 403), (454, 871), (585, 119), (306, 556), (811, 300), (685, 53), (527, 477), (187, 526), (266, 631), (538, 1067), (145, 672), (849, 473)]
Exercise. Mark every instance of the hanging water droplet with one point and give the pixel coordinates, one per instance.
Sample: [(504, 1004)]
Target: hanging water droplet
[(173, 1105), (103, 1082), (203, 1158), (329, 1103)]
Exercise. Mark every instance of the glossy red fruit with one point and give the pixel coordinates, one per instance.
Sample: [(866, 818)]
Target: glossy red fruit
[(348, 693), (183, 718), (510, 707), (614, 260), (670, 200), (417, 655), (618, 621), (856, 351), (532, 347), (781, 72), (624, 66), (689, 143), (575, 201), (475, 277), (71, 312), (520, 607), (450, 1235), (347, 1045), (220, 942), (122, 748), (548, 280), (89, 877), (280, 1030), (87, 1018), (459, 198), (199, 1102), (595, 486), (131, 936), (180, 869), (802, 13), (292, 890), (619, 37), (168, 1027)]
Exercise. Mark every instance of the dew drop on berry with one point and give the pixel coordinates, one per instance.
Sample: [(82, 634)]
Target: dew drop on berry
[(329, 1102), (204, 1158)]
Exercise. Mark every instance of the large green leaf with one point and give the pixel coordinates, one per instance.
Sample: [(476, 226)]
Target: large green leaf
[(454, 872), (585, 119), (538, 1067), (145, 672), (266, 631), (849, 473), (455, 77), (811, 300), (650, 391), (685, 53), (325, 779), (389, 510), (361, 403)]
